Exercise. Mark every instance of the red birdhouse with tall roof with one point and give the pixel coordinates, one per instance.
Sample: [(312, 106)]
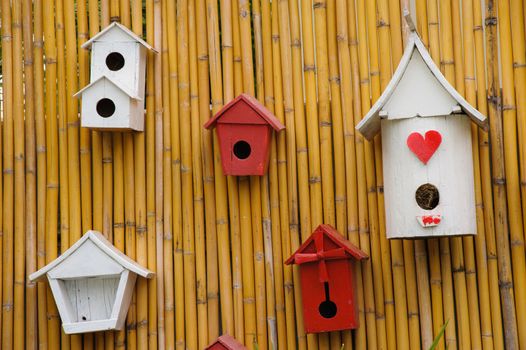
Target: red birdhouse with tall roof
[(225, 342), (244, 128), (327, 279)]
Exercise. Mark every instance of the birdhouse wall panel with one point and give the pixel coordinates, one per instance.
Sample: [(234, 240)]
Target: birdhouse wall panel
[(421, 87), (119, 119), (256, 136), (129, 75), (340, 291), (92, 299), (123, 298), (449, 169)]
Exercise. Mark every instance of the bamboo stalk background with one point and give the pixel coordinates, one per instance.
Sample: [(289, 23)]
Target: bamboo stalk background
[(218, 243)]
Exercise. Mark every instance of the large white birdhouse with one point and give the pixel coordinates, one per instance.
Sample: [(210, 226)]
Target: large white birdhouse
[(426, 146), (119, 56), (92, 283)]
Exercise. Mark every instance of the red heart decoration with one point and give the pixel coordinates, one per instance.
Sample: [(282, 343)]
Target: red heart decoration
[(424, 148)]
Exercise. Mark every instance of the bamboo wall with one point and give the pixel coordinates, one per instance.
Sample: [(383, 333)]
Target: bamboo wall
[(217, 243)]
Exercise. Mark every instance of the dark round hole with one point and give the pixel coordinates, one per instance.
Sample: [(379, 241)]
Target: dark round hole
[(114, 61), (105, 107), (327, 309), (427, 196), (242, 149), (83, 318)]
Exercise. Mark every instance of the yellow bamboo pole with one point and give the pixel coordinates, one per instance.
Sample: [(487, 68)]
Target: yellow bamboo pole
[(199, 222), (52, 164), (31, 322), (286, 40), (499, 180), (40, 126), (186, 175), (212, 281), (511, 165), (223, 244), (19, 232), (1, 223), (176, 181), (283, 190), (169, 305)]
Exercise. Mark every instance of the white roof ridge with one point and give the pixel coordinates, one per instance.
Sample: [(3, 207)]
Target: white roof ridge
[(370, 124), (126, 91), (125, 29), (104, 245)]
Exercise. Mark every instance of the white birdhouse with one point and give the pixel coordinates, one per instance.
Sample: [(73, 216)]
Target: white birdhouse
[(92, 283), (119, 56), (426, 146)]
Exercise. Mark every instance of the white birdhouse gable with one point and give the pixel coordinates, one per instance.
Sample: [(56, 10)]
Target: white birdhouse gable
[(418, 84), (92, 284), (107, 106)]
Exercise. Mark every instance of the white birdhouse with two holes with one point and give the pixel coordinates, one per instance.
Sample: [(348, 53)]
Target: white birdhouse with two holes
[(92, 283), (425, 128), (114, 99)]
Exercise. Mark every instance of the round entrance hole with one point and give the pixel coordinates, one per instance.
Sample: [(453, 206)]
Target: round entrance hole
[(242, 149), (327, 309), (427, 196), (114, 61), (105, 107)]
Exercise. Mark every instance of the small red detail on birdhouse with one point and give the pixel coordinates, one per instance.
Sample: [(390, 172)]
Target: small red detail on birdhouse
[(424, 148), (244, 129), (327, 280), (225, 342)]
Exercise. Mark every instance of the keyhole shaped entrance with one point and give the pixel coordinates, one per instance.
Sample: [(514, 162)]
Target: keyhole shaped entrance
[(327, 308)]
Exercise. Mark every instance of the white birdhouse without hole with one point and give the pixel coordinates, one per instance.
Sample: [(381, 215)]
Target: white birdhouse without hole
[(426, 146), (92, 283), (118, 55)]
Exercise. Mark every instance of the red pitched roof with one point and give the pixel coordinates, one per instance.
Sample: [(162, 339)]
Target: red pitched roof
[(255, 105), (228, 342), (331, 233)]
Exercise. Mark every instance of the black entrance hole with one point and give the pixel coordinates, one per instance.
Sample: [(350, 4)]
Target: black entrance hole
[(327, 308), (242, 149), (105, 107), (427, 196), (114, 61), (84, 318)]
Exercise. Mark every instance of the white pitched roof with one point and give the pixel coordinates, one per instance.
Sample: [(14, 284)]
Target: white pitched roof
[(105, 246), (104, 77), (416, 54), (124, 29)]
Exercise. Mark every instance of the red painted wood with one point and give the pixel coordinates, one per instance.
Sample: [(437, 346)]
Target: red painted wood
[(424, 148), (244, 119), (327, 261), (225, 342)]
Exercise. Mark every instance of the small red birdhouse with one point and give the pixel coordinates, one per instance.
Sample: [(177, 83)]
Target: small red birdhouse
[(326, 262), (225, 342), (244, 128)]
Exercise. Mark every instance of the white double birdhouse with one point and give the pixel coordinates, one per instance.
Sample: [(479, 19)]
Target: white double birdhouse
[(92, 284), (426, 145), (114, 99)]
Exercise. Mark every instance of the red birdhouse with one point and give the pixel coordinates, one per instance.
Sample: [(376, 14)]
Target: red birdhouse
[(326, 262), (244, 127), (225, 342)]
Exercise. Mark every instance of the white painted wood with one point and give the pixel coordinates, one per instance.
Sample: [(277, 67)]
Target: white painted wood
[(90, 326), (88, 261), (129, 111), (403, 101), (450, 169), (116, 32), (131, 75), (92, 283)]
